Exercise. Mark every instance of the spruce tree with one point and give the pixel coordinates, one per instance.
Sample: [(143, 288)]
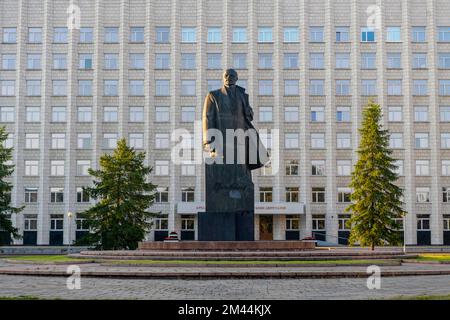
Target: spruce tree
[(376, 200), (119, 220), (6, 170)]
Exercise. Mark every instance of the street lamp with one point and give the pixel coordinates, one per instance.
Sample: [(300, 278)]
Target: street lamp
[(404, 233), (69, 215)]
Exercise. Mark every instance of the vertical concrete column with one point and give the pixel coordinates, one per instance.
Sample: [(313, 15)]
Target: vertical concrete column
[(381, 62), (278, 93), (124, 80)]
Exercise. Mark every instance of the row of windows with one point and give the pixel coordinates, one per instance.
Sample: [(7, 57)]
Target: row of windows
[(239, 61), (111, 88), (214, 34)]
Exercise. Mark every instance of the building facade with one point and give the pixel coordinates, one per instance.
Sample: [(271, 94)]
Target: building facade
[(77, 75)]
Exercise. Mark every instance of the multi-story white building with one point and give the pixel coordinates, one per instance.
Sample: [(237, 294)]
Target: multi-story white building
[(77, 75)]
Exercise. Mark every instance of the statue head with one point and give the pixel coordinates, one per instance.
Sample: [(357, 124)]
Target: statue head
[(230, 77)]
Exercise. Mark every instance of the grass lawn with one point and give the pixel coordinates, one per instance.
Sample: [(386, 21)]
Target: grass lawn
[(20, 298), (426, 297), (47, 258), (440, 257)]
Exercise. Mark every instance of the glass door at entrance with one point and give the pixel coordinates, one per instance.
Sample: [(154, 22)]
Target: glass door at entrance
[(265, 227)]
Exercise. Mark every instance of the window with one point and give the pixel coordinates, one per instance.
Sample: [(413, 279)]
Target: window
[(84, 114), (342, 34), (111, 88), (265, 114), (393, 34), (85, 88), (84, 141), (110, 114), (421, 113), (35, 35), (188, 61), (137, 61), (60, 35), (423, 222), (86, 35), (31, 167), (188, 34), (188, 222), (420, 87), (161, 223), (445, 113), (291, 114), (292, 168), (265, 61), (266, 139), (9, 142), (239, 60), (265, 34), (162, 195), (291, 88), (318, 168), (265, 194), (136, 140), (318, 222), (344, 167), (419, 34), (111, 35), (344, 195), (56, 196), (136, 114), (421, 140), (290, 34), (342, 60), (342, 87), (399, 167), (444, 60), (162, 87), (291, 141), (188, 169), (34, 61), (316, 87), (59, 88), (367, 35), (59, 61), (317, 114), (137, 34), (8, 88), (290, 60), (343, 221), (214, 61), (187, 114), (292, 194), (188, 87), (111, 61), (162, 61), (240, 34), (8, 61), (33, 114), (109, 140), (318, 195), (31, 195), (32, 141), (7, 114), (445, 165), (445, 194), (343, 141), (316, 34), (162, 34), (83, 167), (422, 194), (420, 61), (162, 141), (292, 223), (446, 222), (265, 87), (317, 140), (444, 87), (396, 140), (394, 87), (9, 35), (58, 114), (368, 60), (82, 196), (57, 168), (343, 114), (444, 34), (188, 194), (162, 114), (369, 87), (162, 168), (422, 167), (214, 35), (136, 88), (394, 60), (316, 60), (58, 140), (33, 88), (445, 140)]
